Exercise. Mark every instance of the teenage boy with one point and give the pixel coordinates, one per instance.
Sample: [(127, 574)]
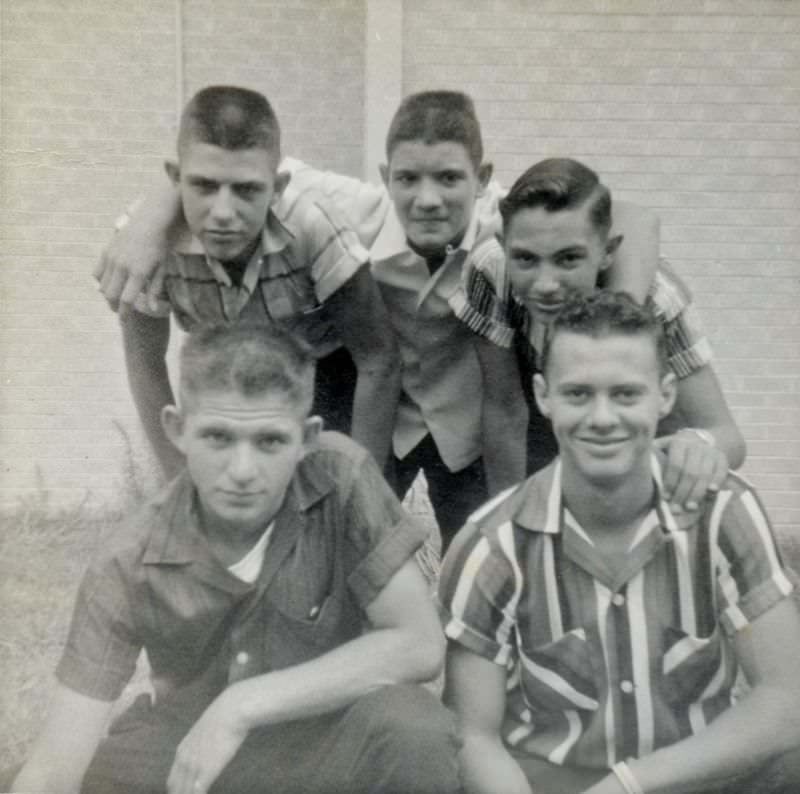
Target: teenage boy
[(274, 587), (437, 208), (557, 237), (594, 634), (250, 250)]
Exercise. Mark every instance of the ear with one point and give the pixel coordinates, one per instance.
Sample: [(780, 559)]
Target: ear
[(541, 394), (383, 168), (173, 171), (172, 422), (612, 246), (282, 179), (311, 430), (669, 393), (485, 171)]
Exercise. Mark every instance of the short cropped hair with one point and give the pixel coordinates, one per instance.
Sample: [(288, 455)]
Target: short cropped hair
[(231, 118), (559, 183), (603, 313), (437, 117), (253, 361)]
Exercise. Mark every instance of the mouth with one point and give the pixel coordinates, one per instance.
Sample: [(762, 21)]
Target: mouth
[(545, 307), (221, 236), (603, 445), (242, 497)]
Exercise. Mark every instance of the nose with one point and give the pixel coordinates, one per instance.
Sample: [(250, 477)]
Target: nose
[(428, 197), (242, 464), (545, 283), (603, 414), (222, 211)]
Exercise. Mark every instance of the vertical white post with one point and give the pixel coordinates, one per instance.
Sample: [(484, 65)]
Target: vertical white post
[(383, 89)]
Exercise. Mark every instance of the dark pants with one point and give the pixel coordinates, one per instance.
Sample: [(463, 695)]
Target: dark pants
[(397, 739), (781, 776), (334, 389), (453, 494)]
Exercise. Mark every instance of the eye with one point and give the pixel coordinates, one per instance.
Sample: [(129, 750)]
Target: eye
[(576, 394), (271, 442), (249, 190), (569, 259), (203, 185), (522, 259), (627, 396), (404, 179), (450, 178), (216, 438)]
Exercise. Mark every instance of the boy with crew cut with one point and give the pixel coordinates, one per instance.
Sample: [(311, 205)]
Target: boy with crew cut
[(274, 587), (250, 250), (594, 634), (557, 237), (435, 212)]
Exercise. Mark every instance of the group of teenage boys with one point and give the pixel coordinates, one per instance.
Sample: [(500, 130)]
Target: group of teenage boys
[(596, 613)]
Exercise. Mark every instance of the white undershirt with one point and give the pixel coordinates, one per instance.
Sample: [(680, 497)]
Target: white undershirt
[(249, 567)]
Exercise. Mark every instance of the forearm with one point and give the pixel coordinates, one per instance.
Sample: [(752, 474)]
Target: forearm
[(338, 678), (730, 441), (148, 380), (735, 743), (375, 405), (488, 768), (504, 428), (636, 260)]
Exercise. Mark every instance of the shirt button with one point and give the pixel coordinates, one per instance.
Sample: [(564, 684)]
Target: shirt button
[(242, 657), (626, 687), (618, 599)]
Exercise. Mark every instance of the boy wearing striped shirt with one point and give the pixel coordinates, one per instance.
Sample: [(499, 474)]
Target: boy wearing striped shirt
[(249, 249), (595, 634)]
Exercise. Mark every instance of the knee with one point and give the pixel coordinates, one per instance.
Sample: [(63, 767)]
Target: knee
[(411, 738)]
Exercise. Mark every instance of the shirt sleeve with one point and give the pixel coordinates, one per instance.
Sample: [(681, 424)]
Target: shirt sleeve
[(362, 205), (751, 576), (323, 240), (383, 533), (101, 650), (476, 595), (487, 307), (688, 348)]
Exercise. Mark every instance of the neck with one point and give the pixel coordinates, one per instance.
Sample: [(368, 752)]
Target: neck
[(425, 253), (230, 543), (605, 506)]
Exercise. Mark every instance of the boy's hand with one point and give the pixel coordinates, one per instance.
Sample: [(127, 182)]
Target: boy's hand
[(693, 467), (125, 269), (207, 748)]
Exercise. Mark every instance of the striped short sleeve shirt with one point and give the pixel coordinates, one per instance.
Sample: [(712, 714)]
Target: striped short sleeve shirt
[(497, 314), (606, 665), (306, 254)]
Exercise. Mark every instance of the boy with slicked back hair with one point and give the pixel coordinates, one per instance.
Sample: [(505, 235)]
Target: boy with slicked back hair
[(461, 415), (595, 635), (249, 250), (558, 237), (274, 587)]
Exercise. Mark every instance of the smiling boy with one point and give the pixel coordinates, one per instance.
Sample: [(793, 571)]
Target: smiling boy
[(595, 635), (249, 250), (557, 237), (461, 412), (274, 588)]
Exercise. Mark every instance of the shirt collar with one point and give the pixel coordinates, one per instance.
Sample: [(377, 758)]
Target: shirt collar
[(540, 506), (275, 236), (176, 537), (391, 240)]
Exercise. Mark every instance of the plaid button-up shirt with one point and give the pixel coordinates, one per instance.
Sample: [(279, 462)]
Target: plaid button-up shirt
[(339, 537), (307, 253), (605, 665)]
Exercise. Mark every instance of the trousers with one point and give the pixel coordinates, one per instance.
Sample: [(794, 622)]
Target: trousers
[(396, 739)]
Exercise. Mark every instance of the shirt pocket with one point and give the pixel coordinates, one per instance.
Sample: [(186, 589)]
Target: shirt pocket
[(689, 663), (560, 675)]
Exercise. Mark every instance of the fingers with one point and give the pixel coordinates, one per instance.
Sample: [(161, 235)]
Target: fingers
[(131, 289), (692, 469)]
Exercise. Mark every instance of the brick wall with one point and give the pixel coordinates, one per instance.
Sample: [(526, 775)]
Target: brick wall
[(89, 98), (688, 106), (691, 107)]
